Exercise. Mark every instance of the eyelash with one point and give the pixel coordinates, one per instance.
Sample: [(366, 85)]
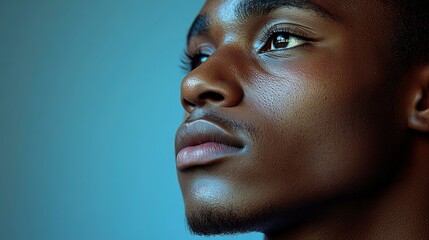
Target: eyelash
[(188, 60), (269, 33)]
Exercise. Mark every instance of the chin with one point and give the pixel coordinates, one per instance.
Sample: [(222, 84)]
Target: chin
[(222, 220), (226, 219), (214, 207)]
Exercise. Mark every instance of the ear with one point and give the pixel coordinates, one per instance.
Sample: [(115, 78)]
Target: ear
[(419, 110)]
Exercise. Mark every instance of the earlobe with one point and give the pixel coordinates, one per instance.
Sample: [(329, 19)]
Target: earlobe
[(419, 114)]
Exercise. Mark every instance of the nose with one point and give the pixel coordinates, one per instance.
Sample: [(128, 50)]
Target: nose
[(214, 83)]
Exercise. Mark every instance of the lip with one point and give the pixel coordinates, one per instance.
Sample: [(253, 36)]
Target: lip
[(202, 142)]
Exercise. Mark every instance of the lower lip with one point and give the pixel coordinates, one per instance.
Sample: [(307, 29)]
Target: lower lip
[(203, 154)]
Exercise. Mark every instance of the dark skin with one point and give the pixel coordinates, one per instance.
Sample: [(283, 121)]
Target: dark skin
[(333, 142)]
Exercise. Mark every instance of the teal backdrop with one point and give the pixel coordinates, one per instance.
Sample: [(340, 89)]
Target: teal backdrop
[(89, 105)]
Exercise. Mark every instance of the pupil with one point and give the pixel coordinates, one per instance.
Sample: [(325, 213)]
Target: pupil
[(203, 59), (281, 41), (198, 60)]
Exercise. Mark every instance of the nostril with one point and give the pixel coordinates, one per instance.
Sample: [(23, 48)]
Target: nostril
[(188, 103), (214, 96)]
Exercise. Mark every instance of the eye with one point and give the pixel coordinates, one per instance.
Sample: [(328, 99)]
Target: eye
[(282, 41), (198, 59), (192, 61)]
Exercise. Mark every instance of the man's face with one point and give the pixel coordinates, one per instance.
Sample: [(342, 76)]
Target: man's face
[(290, 105)]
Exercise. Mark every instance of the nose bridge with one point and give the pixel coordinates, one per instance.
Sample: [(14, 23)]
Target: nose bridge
[(216, 82)]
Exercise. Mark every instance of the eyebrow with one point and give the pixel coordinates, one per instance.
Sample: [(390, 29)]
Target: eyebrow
[(249, 8), (199, 26)]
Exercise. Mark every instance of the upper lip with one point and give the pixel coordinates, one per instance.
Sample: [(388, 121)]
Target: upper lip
[(202, 131)]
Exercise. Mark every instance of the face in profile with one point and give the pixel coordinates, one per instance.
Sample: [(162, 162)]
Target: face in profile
[(289, 109)]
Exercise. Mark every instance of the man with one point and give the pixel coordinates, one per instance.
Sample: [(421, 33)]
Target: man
[(307, 119)]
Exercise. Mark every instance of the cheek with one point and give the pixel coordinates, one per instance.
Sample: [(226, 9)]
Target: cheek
[(321, 128)]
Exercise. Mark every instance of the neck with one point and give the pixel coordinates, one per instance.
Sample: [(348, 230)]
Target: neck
[(400, 211)]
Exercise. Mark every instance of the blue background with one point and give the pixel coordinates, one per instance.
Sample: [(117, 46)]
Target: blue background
[(89, 104)]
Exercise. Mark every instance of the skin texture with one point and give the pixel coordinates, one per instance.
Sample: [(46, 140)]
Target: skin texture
[(334, 140)]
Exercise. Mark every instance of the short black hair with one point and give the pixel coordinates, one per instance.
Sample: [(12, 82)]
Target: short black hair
[(412, 37)]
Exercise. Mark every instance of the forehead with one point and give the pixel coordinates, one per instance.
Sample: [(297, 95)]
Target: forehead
[(232, 10), (348, 13)]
